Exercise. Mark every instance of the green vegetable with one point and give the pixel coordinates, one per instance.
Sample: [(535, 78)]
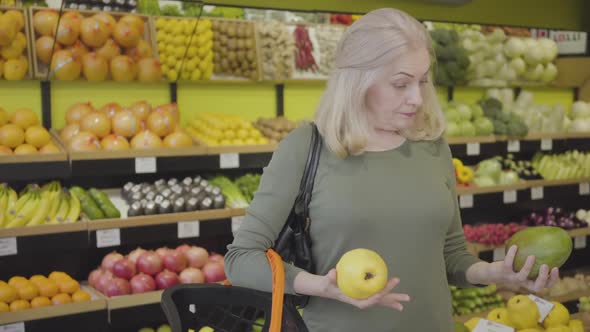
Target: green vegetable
[(170, 10), (231, 192), (148, 7), (248, 185), (104, 203), (88, 205)]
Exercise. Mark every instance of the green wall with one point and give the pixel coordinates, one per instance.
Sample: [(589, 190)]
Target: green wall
[(561, 14)]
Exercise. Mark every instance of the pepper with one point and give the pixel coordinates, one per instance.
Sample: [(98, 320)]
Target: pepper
[(464, 174)]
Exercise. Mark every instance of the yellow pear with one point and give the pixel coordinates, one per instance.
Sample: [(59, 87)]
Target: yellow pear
[(472, 323), (523, 312), (576, 325), (500, 315), (559, 315), (559, 328)]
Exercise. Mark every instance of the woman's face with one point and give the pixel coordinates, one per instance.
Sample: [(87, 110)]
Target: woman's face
[(396, 95)]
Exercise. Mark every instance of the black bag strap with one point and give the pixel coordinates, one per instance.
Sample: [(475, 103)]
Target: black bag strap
[(307, 181)]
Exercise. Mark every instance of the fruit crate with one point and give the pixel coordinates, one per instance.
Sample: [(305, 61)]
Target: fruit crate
[(38, 157), (41, 70), (27, 52)]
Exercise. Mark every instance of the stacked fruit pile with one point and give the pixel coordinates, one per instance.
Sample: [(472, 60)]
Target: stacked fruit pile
[(146, 270), (570, 285), (13, 44), (275, 129), (568, 165), (113, 127), (554, 216), (50, 204), (248, 185), (276, 50), (505, 122), (234, 49), (522, 314), (475, 300), (491, 234), (38, 291), (21, 133), (466, 120), (172, 196), (216, 129), (95, 46), (185, 48), (580, 118), (95, 204), (490, 172), (451, 57)]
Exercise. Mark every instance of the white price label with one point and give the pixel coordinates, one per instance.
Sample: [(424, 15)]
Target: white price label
[(546, 144), (145, 165), (569, 42), (229, 160), (473, 149), (510, 196), (108, 237), (15, 327), (544, 307), (513, 146), (537, 193), (188, 229), (8, 246), (580, 242), (236, 222), (584, 188), (499, 254), (484, 325), (466, 201)]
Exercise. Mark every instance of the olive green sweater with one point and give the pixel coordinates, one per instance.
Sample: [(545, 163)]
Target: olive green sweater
[(400, 203)]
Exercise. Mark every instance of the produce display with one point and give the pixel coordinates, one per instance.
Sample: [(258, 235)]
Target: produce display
[(20, 293), (328, 37), (304, 47), (96, 46), (95, 204), (562, 166), (216, 129), (275, 129), (582, 214), (105, 6), (277, 49), (8, 3), (468, 301), (584, 305), (491, 172), (505, 123), (463, 174), (113, 127), (466, 120), (234, 49), (14, 63), (451, 58), (21, 133), (570, 285), (185, 48), (579, 118), (144, 271), (248, 185), (523, 168), (491, 234), (556, 216), (160, 328), (231, 191), (172, 196)]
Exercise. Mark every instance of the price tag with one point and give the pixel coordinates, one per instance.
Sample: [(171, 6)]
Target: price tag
[(473, 149), (236, 222), (580, 242), (485, 325), (15, 327), (229, 160), (544, 307), (466, 201), (569, 42), (584, 188), (145, 165), (546, 144), (514, 146), (537, 193), (499, 254), (8, 246), (510, 196), (188, 229), (108, 237)]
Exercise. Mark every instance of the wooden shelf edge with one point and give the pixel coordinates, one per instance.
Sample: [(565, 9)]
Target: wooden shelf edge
[(43, 229), (160, 219), (523, 185), (164, 152), (127, 301), (238, 212), (265, 148), (473, 139)]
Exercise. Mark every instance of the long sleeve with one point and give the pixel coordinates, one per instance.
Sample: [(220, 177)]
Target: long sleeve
[(246, 264), (457, 258)]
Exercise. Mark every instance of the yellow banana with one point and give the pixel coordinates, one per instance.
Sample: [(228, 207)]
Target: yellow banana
[(74, 212), (3, 204), (18, 205), (64, 207), (53, 207), (12, 198), (42, 209), (26, 212)]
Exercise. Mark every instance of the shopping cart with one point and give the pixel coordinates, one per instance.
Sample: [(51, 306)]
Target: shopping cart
[(226, 308)]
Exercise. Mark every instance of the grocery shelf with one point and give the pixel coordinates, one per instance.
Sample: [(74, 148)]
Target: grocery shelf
[(524, 184), (43, 230), (34, 167), (127, 311)]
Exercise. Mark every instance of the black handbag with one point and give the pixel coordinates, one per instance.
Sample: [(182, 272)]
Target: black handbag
[(294, 242)]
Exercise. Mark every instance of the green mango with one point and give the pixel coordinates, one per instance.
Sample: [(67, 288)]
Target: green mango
[(550, 245)]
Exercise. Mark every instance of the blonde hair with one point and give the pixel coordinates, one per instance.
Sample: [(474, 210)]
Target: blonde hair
[(373, 41)]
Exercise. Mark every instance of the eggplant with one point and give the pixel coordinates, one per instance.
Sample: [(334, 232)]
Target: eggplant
[(158, 199), (192, 204), (150, 208), (178, 205), (216, 191), (204, 183), (206, 204), (136, 197), (172, 182), (135, 210), (219, 202), (196, 180), (165, 207), (166, 192), (187, 181), (150, 196)]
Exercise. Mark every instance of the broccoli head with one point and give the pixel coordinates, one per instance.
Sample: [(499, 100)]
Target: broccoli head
[(441, 76), (441, 36), (500, 128)]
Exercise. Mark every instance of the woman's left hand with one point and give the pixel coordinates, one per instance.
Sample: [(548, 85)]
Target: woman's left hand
[(503, 274)]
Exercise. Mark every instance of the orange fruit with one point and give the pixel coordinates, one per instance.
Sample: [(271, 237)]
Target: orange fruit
[(16, 281), (3, 283), (61, 298), (27, 291), (68, 286), (7, 294), (4, 307), (48, 288), (40, 301), (81, 296), (37, 279), (58, 275), (19, 305)]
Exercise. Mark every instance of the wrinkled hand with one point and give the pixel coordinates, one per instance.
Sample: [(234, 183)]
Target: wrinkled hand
[(504, 275), (384, 297)]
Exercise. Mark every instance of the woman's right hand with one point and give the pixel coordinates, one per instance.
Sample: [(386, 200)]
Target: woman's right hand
[(384, 297)]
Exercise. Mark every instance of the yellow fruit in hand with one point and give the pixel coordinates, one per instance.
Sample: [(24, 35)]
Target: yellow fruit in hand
[(559, 315), (361, 273)]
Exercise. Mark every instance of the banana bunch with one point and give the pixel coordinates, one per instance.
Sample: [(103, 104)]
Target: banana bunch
[(8, 3)]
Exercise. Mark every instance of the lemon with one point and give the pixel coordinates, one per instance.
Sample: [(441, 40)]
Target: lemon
[(192, 51), (190, 65), (185, 75), (179, 52), (179, 40), (196, 75), (170, 49), (177, 66), (178, 29), (171, 61), (160, 23), (172, 75), (164, 69), (189, 27), (169, 28)]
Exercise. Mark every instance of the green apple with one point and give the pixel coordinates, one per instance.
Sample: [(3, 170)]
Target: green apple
[(361, 273)]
